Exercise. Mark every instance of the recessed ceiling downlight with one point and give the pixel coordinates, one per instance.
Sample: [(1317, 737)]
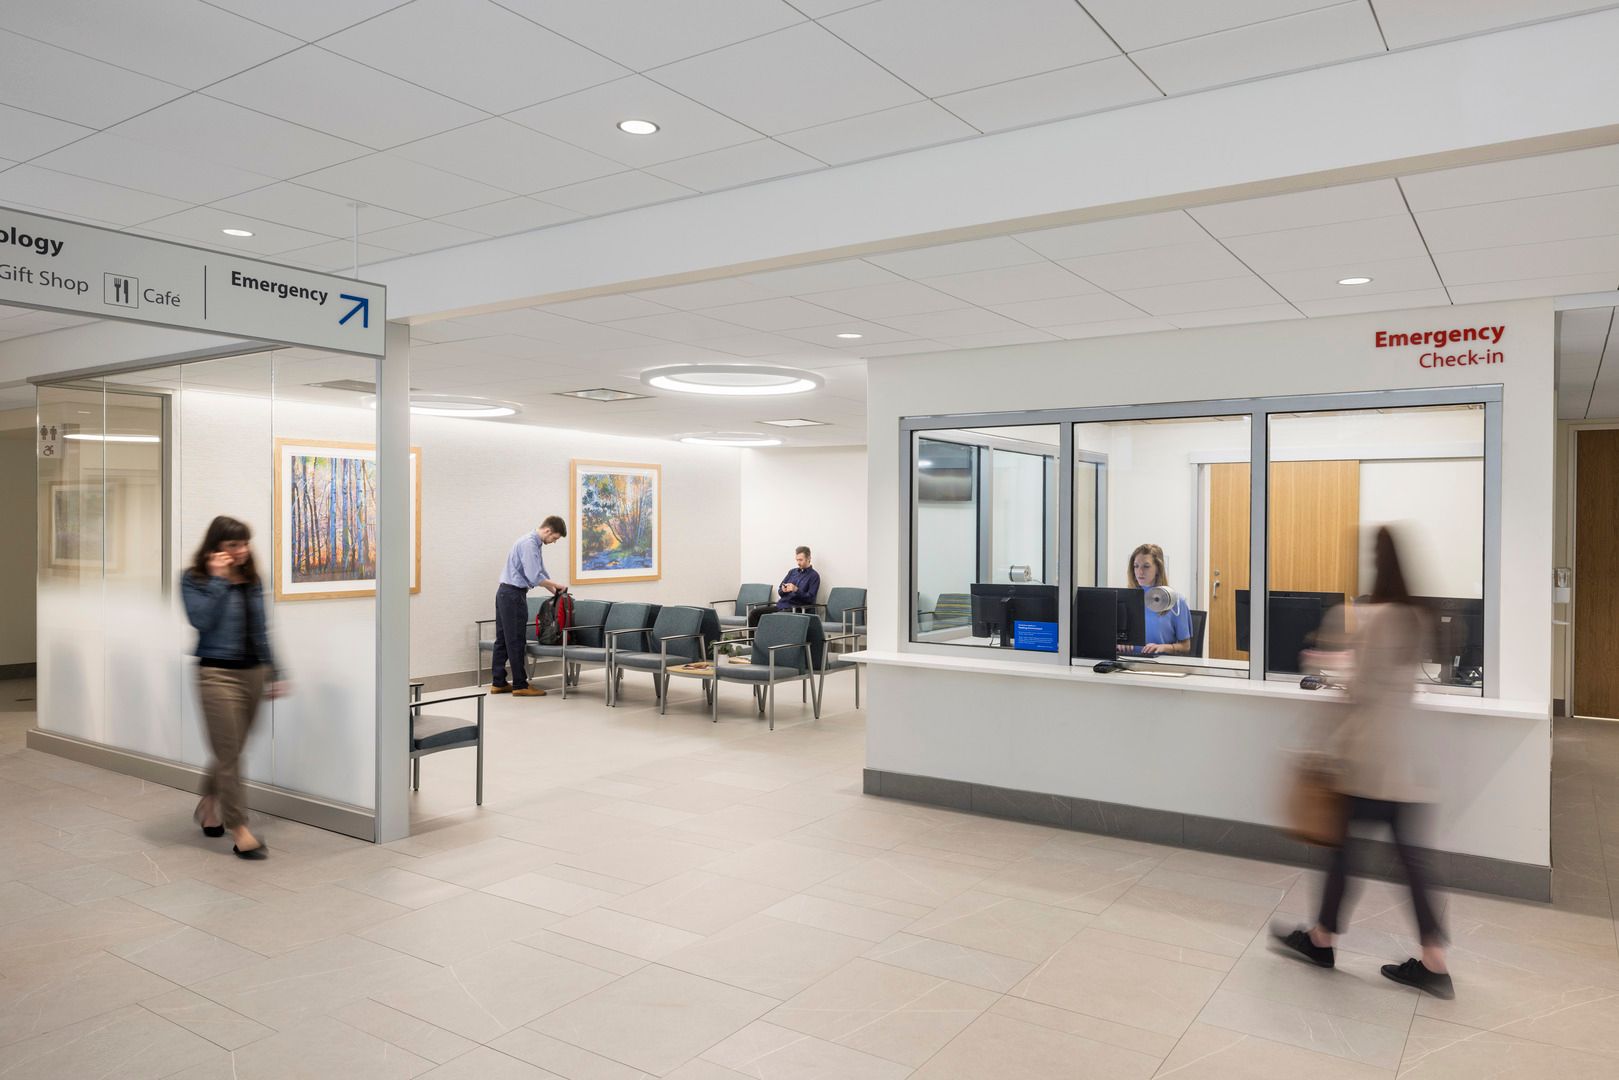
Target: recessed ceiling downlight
[(851, 337), (732, 380), (637, 127), (1355, 281), (729, 438), (237, 232)]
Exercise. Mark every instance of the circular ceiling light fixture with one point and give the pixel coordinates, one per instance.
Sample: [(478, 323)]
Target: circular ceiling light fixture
[(81, 436), (851, 337), (728, 438), (732, 380), (237, 232), (637, 127), (463, 407), (1355, 281)]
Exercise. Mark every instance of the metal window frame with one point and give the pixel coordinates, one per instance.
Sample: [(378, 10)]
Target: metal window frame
[(1258, 410)]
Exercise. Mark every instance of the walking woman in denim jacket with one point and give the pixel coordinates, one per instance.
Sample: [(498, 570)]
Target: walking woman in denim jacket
[(224, 601)]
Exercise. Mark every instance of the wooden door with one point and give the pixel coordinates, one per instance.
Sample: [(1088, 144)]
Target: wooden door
[(1228, 555), (1596, 576)]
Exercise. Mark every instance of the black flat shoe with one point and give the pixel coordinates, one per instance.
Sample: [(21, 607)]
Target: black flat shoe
[(1298, 943), (213, 830), (1414, 973), (259, 852)]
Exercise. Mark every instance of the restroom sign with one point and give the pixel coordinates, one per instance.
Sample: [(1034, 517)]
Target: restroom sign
[(85, 270), (50, 441)]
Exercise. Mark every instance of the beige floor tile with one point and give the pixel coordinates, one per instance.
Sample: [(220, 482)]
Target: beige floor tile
[(997, 1045), (130, 1043), (298, 919), (698, 901), (484, 862), (1002, 924), (321, 1046), (482, 996), (974, 967), (21, 859), (459, 927), (910, 879), (628, 934), (403, 887), (769, 956), (208, 1019), (1197, 922), (699, 1069), (655, 1019), (1067, 883), (1179, 954), (73, 989), (768, 1052), (542, 890), (82, 883), (316, 980), (986, 838), (1151, 1043), (884, 904), (76, 931), (577, 832), (186, 955), (403, 1030), (1221, 890), (785, 865), (1231, 868), (698, 796), (871, 828), (1442, 1051), (1354, 989), (19, 901), (1125, 987), (562, 1059), (1210, 1053), (1471, 914), (646, 861), (1311, 1029), (853, 920), (484, 1063), (191, 901), (583, 952), (888, 1012), (750, 823)]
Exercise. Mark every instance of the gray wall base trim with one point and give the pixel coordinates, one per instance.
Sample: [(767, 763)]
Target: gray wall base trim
[(292, 805), (18, 671), (1372, 858)]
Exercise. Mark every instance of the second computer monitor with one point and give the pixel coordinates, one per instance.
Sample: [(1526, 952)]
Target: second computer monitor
[(1104, 619), (998, 608), (1293, 619)]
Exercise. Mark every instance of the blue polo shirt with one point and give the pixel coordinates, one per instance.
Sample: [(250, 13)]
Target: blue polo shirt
[(1169, 627)]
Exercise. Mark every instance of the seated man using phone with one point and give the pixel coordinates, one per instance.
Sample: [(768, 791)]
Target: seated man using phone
[(797, 589)]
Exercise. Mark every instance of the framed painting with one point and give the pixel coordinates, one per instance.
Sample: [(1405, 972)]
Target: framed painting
[(78, 537), (326, 519), (617, 530)]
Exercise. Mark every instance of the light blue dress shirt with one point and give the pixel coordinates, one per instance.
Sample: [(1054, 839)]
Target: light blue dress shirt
[(525, 566)]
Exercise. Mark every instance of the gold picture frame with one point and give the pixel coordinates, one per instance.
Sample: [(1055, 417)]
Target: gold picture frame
[(341, 564), (616, 532)]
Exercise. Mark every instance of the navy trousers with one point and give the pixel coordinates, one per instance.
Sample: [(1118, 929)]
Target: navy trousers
[(511, 636)]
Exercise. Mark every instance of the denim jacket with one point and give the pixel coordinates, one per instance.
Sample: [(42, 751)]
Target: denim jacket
[(217, 611)]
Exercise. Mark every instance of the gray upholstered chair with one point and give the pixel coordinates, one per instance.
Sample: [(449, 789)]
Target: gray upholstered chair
[(433, 734), (625, 621), (832, 663), (748, 596), (845, 610), (681, 635), (1200, 622), (486, 646), (787, 647), (584, 632)]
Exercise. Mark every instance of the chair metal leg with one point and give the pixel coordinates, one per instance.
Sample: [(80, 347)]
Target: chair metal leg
[(857, 687), (416, 774), (480, 772), (803, 690), (662, 683), (771, 693)]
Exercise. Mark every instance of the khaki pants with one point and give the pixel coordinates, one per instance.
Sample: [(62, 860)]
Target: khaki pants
[(230, 703)]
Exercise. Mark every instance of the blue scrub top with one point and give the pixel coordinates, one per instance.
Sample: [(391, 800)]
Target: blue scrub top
[(1169, 627)]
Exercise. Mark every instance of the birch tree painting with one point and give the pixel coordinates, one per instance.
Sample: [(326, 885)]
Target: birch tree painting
[(326, 520)]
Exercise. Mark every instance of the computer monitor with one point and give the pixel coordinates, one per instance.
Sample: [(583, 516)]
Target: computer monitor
[(1104, 619), (998, 608), (1293, 617), (1457, 640)]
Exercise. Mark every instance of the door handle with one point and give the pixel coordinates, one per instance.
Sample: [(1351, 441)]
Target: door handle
[(1214, 591)]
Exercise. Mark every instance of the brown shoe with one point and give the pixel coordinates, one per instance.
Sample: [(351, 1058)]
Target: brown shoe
[(529, 691), (501, 689)]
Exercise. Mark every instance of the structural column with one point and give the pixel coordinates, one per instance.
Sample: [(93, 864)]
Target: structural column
[(393, 585)]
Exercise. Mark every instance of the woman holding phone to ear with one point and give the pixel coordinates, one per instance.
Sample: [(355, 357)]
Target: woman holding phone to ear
[(1169, 633), (224, 601)]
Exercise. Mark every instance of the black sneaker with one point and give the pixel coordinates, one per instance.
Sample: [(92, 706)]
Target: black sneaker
[(1298, 943), (1414, 973)]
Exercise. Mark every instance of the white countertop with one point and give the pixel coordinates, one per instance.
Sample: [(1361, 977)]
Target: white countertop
[(1203, 684)]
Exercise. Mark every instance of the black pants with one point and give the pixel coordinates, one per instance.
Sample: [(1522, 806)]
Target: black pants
[(511, 636), (1397, 816), (759, 611)]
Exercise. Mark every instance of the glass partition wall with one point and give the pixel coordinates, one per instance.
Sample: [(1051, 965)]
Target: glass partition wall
[(1145, 532)]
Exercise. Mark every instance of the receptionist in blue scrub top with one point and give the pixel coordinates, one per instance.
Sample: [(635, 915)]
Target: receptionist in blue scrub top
[(1168, 632)]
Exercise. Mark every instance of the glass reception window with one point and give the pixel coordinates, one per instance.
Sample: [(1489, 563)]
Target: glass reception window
[(985, 517), (1335, 479), (1161, 541)]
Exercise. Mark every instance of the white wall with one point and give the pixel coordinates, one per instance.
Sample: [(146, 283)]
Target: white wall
[(815, 497), (17, 568)]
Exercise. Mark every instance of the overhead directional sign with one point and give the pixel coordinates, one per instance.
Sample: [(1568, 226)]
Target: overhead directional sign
[(65, 266)]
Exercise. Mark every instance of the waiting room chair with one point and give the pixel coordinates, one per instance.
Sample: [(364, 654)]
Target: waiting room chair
[(486, 646), (845, 610), (833, 664), (787, 647), (748, 597), (433, 734), (622, 622), (1200, 622), (949, 610), (681, 635), (584, 632)]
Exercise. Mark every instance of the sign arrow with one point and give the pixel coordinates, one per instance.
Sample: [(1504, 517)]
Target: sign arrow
[(362, 306)]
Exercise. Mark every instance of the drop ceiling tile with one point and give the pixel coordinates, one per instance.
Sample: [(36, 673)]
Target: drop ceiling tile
[(1388, 276), (1498, 181), (1111, 328), (129, 163), (1121, 234), (1376, 239), (54, 192), (185, 42), (420, 236), (827, 336), (1234, 316), (1053, 95), (891, 131), (642, 34), (880, 302), (1525, 288), (329, 93), (510, 346), (1604, 402), (734, 166), (590, 119), (821, 277), (1010, 284), (904, 348), (1561, 258), (947, 324), (705, 294), (403, 185), (1299, 209), (208, 128), (682, 326), (474, 51), (945, 46), (1391, 301), (1582, 337), (623, 191), (442, 331), (317, 211), (509, 217), (1020, 336), (544, 325), (1069, 310), (1345, 31), (25, 134), (1199, 296), (785, 81), (1417, 22), (784, 313), (1203, 260), (43, 79), (1135, 25), (202, 224), (308, 20), (754, 346), (1564, 216), (508, 156), (942, 260), (598, 309)]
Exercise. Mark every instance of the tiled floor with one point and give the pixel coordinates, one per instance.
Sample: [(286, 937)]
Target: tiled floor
[(646, 895)]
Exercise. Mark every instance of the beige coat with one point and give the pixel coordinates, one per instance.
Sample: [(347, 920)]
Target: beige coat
[(1379, 741)]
